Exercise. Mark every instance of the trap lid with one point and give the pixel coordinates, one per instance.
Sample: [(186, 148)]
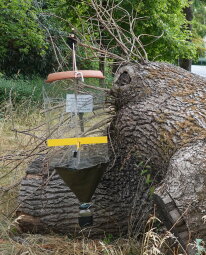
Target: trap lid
[(74, 74)]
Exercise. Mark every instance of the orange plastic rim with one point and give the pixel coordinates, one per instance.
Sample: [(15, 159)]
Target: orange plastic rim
[(71, 75)]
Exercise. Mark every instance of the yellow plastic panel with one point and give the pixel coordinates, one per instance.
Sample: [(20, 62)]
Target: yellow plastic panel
[(77, 141)]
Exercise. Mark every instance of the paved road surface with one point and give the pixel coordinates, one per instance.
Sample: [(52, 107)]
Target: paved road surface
[(201, 70)]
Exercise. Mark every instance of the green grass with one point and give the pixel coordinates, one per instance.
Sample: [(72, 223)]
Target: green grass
[(21, 90)]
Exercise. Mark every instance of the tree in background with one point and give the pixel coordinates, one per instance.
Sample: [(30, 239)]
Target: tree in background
[(195, 16), (199, 26), (186, 63), (157, 25), (22, 39), (34, 33)]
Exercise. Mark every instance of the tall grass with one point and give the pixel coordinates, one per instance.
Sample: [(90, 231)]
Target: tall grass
[(20, 105), (20, 90)]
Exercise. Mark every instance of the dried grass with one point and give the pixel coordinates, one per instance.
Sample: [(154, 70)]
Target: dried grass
[(53, 245)]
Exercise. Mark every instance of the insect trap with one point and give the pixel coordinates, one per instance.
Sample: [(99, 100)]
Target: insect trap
[(75, 114)]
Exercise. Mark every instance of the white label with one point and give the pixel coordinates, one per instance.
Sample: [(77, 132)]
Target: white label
[(84, 103)]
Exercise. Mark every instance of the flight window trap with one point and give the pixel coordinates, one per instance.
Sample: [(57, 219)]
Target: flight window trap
[(76, 132)]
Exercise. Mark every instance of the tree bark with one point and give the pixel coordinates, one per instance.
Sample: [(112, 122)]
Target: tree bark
[(160, 120)]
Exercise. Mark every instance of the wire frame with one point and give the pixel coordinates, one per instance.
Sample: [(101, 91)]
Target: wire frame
[(72, 111)]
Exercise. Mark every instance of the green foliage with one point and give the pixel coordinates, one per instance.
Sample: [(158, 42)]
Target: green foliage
[(21, 90), (19, 27), (33, 33), (24, 47), (146, 171), (165, 19), (108, 239), (199, 25), (161, 24)]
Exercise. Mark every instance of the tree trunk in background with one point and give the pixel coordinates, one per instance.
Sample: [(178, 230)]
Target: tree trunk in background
[(187, 63), (102, 68), (160, 119), (102, 45)]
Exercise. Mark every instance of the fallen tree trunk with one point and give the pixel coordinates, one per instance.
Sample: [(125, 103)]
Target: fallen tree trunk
[(160, 120), (161, 113)]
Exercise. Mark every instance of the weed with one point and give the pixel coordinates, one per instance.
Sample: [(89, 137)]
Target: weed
[(146, 171), (108, 239)]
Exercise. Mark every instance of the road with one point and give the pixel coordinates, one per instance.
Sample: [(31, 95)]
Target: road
[(201, 70)]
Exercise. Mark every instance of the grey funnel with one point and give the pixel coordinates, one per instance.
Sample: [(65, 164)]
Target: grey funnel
[(83, 178)]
